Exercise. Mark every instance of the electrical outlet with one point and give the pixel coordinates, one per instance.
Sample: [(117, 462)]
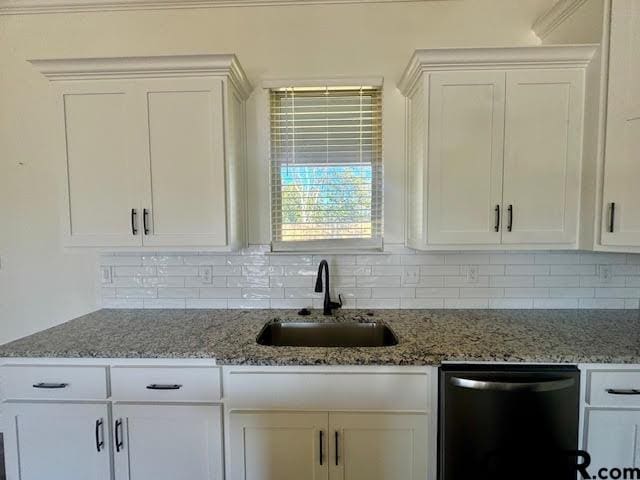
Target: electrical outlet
[(604, 272), (105, 275), (472, 273), (411, 275), (206, 273)]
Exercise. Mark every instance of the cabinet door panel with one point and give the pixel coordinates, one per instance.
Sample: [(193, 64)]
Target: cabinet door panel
[(169, 442), (622, 157), (378, 446), (543, 135), (187, 168), (101, 166), (612, 439), (57, 442), (278, 446), (466, 115)]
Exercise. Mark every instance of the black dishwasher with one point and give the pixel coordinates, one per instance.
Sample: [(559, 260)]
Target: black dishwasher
[(499, 422)]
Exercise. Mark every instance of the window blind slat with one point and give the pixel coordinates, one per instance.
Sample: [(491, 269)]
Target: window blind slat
[(326, 165)]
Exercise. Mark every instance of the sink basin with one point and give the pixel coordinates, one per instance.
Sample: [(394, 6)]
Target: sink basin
[(327, 334)]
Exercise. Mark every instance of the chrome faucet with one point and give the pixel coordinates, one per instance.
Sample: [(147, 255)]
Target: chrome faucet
[(328, 304)]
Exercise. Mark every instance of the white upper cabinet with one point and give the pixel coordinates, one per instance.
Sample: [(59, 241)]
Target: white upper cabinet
[(466, 111), (542, 153), (495, 146), (154, 150), (621, 196)]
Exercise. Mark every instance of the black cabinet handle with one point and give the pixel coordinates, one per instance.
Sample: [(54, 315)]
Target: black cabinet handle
[(50, 385), (623, 391), (99, 438), (497, 226), (158, 386), (337, 447), (510, 224), (145, 218), (612, 217), (118, 430), (321, 447), (134, 230)]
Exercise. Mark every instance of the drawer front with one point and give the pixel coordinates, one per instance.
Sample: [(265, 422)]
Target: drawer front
[(166, 384), (610, 388), (40, 382), (318, 390)]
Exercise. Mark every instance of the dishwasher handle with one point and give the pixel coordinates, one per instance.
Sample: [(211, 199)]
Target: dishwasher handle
[(541, 386)]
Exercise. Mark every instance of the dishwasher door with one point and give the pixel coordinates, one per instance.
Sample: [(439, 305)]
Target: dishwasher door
[(505, 422)]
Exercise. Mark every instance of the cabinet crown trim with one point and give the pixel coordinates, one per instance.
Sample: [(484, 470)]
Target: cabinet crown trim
[(451, 59), (555, 16), (15, 7), (65, 69)]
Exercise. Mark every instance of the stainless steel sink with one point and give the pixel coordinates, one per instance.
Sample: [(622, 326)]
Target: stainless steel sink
[(327, 334)]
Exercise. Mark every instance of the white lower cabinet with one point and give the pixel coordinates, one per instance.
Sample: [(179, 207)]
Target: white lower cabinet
[(612, 439), (345, 446), (167, 442), (57, 441), (279, 446)]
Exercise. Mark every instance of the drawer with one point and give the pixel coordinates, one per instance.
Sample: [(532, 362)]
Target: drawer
[(43, 382), (318, 389), (166, 384), (612, 388)]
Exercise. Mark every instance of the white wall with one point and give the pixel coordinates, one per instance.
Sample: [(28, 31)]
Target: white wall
[(40, 284)]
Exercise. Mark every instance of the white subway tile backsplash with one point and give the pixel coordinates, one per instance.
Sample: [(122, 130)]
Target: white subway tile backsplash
[(173, 292), (378, 281), (400, 278), (510, 303), (466, 303), (421, 303), (397, 292), (559, 303), (206, 303), (558, 281)]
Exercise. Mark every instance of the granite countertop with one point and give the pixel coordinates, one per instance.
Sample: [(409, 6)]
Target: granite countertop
[(426, 337)]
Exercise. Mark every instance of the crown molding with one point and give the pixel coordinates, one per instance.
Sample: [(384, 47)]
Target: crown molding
[(555, 16), (451, 59), (15, 7), (65, 69)]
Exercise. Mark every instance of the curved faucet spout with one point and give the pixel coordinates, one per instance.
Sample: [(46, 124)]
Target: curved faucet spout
[(328, 304)]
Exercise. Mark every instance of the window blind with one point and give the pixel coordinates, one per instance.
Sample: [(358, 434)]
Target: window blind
[(326, 167)]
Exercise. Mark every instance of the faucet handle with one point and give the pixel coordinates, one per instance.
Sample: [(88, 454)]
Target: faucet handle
[(337, 304)]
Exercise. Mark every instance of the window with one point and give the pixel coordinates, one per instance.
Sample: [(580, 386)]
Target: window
[(326, 167)]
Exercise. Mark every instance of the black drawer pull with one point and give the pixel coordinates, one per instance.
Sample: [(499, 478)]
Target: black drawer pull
[(612, 218), (337, 448), (321, 447), (50, 385), (134, 230), (118, 431), (497, 225), (623, 391), (145, 219), (159, 386), (99, 438), (510, 224)]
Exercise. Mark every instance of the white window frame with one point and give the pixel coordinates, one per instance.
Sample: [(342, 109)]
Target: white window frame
[(333, 245)]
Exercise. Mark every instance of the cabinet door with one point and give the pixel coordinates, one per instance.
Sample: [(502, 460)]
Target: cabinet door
[(103, 166), (57, 442), (186, 203), (378, 446), (279, 446), (613, 437), (167, 442), (466, 115), (622, 156), (543, 137)]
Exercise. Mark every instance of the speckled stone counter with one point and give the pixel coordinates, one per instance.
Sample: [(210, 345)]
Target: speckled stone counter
[(426, 337)]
